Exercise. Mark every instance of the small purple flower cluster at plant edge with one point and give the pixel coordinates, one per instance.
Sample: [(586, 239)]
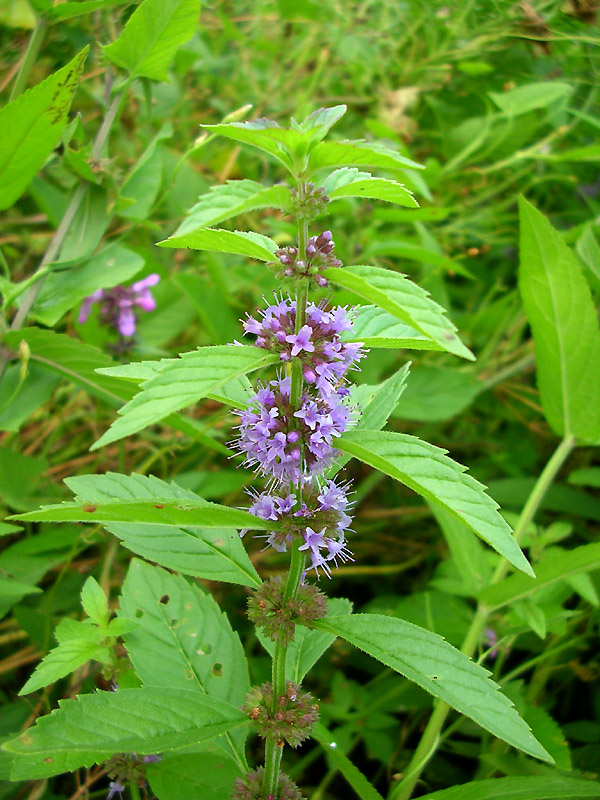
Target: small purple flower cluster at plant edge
[(117, 305)]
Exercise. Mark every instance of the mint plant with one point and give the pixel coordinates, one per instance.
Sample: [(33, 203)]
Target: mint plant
[(186, 685)]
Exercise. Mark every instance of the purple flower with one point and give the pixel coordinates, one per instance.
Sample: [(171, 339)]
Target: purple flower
[(117, 304), (114, 788)]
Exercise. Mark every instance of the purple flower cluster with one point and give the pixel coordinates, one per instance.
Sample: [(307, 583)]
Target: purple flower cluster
[(118, 304), (324, 356), (320, 254), (274, 434), (320, 521)]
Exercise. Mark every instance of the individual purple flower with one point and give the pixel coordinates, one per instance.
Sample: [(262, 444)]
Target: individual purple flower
[(114, 788), (490, 637), (117, 305)]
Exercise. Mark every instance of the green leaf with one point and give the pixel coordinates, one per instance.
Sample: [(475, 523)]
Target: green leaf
[(319, 123), (357, 153), (76, 9), (308, 645), (218, 240), (209, 776), (93, 727), (230, 199), (530, 97), (416, 252), (547, 731), (393, 292), (430, 662), (184, 641), (426, 470), (182, 382), (265, 135), (213, 553), (349, 182), (376, 410), (376, 328), (554, 566), (520, 788), (88, 227), (94, 602), (435, 394), (62, 290), (143, 183), (563, 320), (351, 773), (154, 32), (30, 127), (62, 661)]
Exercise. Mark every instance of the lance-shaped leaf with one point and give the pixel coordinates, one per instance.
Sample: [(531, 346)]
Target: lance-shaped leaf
[(30, 127), (555, 566), (63, 660), (523, 787), (429, 661), (183, 640), (265, 135), (218, 240), (428, 471), (230, 199), (154, 32), (564, 323), (212, 553), (357, 153), (93, 727), (350, 182), (364, 790), (377, 329), (393, 292), (181, 383)]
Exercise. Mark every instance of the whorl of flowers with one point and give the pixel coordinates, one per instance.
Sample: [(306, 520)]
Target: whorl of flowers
[(324, 356), (320, 521), (250, 787), (288, 718), (320, 254), (277, 616), (117, 305)]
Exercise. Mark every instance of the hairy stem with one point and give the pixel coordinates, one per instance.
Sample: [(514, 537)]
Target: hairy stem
[(428, 744), (273, 749)]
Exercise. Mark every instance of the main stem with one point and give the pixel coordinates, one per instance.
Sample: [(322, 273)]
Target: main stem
[(273, 749), (429, 741)]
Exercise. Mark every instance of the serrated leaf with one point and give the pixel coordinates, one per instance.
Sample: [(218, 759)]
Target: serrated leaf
[(430, 662), (550, 569), (94, 602), (564, 323), (351, 773), (184, 640), (93, 727), (63, 660), (215, 554), (68, 629), (393, 292), (308, 645), (230, 199), (182, 382), (30, 127), (153, 33), (523, 787), (375, 328), (349, 182), (219, 240), (357, 153), (428, 471), (319, 123), (265, 135)]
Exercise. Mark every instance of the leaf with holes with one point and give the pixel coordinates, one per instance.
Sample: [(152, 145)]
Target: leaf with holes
[(429, 661), (230, 199), (393, 292), (427, 470), (182, 382), (94, 727), (213, 553), (184, 641), (219, 240)]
